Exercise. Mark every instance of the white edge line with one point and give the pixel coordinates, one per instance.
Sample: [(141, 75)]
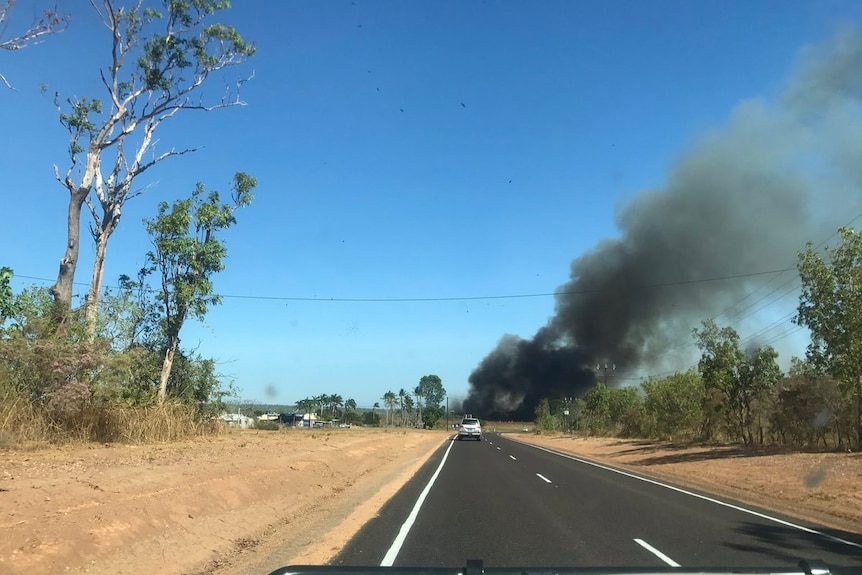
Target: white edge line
[(656, 552), (699, 496), (389, 558), (543, 478)]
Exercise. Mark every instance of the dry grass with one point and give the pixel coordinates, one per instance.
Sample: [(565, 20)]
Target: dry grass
[(25, 423), (21, 423), (509, 426)]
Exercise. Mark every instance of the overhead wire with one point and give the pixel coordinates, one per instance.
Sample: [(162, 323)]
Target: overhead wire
[(471, 298), (786, 318), (777, 273)]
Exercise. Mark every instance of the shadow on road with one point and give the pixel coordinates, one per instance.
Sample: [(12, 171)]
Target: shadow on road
[(788, 545)]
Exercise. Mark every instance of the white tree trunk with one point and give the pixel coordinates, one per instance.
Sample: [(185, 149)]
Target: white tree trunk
[(166, 368), (92, 306)]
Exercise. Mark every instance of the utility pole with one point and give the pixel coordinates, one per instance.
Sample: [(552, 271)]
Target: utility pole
[(567, 413), (605, 368)]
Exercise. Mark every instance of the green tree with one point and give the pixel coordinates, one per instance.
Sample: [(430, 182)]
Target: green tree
[(129, 315), (371, 418), (431, 390), (830, 306), (431, 415), (803, 367), (158, 59), (187, 253), (807, 409), (625, 411), (721, 357), (350, 415), (7, 296), (674, 404), (758, 376), (193, 378), (597, 409), (32, 312), (735, 385), (545, 419)]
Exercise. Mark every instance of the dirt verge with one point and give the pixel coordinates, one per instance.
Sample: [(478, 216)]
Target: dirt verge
[(246, 501), (823, 488)]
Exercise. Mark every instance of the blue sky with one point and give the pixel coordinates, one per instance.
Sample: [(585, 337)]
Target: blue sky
[(405, 150)]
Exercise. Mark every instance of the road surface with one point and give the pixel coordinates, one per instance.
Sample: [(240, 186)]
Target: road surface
[(512, 504)]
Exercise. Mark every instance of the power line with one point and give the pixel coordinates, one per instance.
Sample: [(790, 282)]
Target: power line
[(792, 278), (777, 273), (782, 320), (474, 298)]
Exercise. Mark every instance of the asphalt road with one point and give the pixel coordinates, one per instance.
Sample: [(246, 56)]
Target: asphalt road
[(512, 505)]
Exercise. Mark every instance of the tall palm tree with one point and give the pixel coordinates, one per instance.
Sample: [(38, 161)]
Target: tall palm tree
[(306, 405), (335, 401), (389, 401), (407, 409), (320, 402), (373, 407), (401, 395), (419, 397)]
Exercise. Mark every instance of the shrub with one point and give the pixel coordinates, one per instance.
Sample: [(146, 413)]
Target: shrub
[(266, 425)]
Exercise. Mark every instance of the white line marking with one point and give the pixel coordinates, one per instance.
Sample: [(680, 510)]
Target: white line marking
[(656, 552), (498, 449), (389, 558), (699, 496), (543, 478), (513, 458)]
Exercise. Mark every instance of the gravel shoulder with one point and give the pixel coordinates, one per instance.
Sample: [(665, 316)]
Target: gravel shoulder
[(242, 502)]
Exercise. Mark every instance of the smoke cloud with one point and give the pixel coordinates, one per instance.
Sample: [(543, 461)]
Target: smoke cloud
[(743, 200)]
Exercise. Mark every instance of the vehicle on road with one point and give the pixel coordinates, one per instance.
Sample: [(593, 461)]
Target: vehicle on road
[(470, 427)]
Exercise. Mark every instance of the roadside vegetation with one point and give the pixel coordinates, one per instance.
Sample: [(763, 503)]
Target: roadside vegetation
[(109, 365), (419, 409), (741, 395)]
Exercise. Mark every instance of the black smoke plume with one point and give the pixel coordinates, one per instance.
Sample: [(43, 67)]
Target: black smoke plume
[(744, 200)]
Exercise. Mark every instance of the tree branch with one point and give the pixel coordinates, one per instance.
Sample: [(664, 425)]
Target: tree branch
[(96, 218), (51, 22)]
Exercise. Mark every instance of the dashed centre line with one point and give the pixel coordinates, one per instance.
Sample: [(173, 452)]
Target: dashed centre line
[(513, 458), (543, 478)]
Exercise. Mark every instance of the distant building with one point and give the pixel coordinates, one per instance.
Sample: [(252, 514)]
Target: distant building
[(291, 419), (237, 421)]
